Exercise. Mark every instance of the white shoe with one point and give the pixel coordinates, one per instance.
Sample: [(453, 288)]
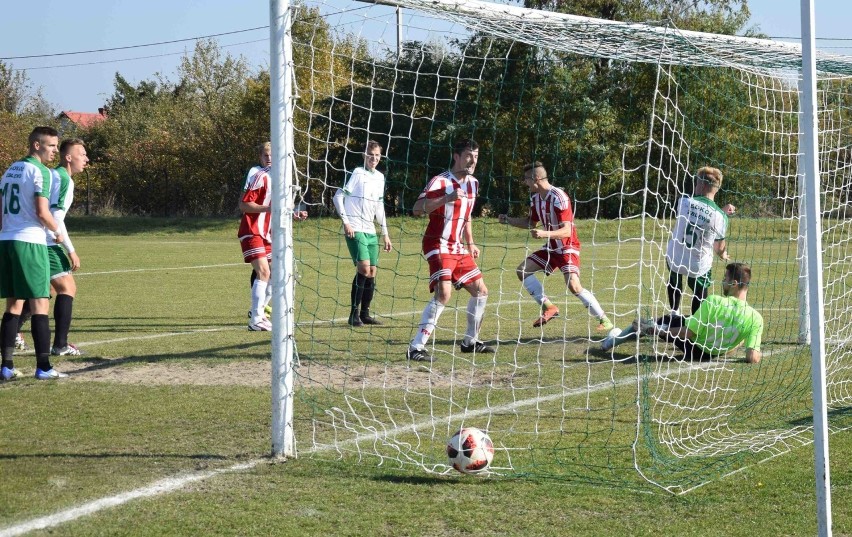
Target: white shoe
[(9, 373), (50, 374), (263, 325), (608, 342), (67, 350)]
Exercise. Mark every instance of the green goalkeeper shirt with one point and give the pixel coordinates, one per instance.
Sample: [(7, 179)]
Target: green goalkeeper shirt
[(723, 322)]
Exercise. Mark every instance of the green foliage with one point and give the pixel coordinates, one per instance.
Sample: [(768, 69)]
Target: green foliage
[(177, 148), (182, 148), (14, 130), (13, 89), (13, 138)]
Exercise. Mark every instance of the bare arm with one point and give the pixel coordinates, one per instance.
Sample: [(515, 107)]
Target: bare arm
[(468, 239), (564, 230), (252, 207), (426, 205), (721, 249)]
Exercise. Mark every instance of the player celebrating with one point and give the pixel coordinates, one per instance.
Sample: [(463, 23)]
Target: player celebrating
[(550, 206), (720, 325), (699, 232), (448, 246), (359, 203)]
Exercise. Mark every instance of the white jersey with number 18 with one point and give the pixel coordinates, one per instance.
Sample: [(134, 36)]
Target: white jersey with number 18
[(20, 185)]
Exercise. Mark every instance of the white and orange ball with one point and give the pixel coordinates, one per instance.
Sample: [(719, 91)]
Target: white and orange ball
[(470, 451)]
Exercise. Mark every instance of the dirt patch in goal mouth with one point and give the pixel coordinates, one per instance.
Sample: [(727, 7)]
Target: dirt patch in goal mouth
[(398, 376)]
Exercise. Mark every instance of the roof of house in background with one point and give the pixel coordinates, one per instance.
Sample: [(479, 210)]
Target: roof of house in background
[(84, 119)]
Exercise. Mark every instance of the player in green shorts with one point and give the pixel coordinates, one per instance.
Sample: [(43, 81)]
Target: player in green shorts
[(24, 268), (722, 323), (359, 203), (63, 258)]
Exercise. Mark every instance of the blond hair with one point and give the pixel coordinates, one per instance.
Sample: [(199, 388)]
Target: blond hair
[(711, 176)]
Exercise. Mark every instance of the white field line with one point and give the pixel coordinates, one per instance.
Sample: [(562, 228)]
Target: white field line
[(171, 484), (127, 271)]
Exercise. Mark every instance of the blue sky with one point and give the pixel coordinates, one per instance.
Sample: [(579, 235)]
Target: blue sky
[(100, 24)]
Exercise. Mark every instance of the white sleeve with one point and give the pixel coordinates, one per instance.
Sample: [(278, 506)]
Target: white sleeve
[(59, 216), (380, 216), (340, 206), (380, 210)]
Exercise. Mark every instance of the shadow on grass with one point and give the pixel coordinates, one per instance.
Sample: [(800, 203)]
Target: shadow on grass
[(411, 479), (201, 457), (843, 413), (101, 364)]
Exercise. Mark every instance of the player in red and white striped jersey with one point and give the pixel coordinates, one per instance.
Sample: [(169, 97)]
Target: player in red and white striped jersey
[(256, 238), (264, 153), (449, 248), (551, 207), (256, 243)]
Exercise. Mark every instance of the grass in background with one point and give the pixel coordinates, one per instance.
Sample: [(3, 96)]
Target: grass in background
[(159, 300)]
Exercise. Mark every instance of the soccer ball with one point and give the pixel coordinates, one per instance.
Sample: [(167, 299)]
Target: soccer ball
[(470, 451)]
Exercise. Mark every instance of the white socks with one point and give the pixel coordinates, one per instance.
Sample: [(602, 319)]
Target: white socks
[(535, 288), (258, 299), (589, 300), (475, 312), (428, 320), (268, 297)]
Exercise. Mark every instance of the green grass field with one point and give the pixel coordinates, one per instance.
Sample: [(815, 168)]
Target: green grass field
[(173, 385)]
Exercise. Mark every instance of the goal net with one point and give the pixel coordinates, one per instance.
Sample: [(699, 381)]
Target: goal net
[(622, 116)]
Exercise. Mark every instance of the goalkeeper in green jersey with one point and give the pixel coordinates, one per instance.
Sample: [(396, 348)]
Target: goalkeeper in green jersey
[(721, 324)]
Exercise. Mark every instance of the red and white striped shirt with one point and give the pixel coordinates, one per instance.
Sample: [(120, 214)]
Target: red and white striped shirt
[(445, 232), (258, 190), (551, 210)]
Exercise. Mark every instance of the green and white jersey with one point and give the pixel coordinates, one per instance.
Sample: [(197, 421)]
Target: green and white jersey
[(700, 223), (61, 198), (20, 185), (723, 322), (361, 201)]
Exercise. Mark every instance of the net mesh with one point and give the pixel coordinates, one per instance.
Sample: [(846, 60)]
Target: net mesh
[(622, 115)]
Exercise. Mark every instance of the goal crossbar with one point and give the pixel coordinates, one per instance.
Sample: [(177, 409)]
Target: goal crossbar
[(603, 38)]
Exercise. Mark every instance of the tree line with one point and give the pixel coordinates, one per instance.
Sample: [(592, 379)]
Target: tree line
[(181, 147)]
